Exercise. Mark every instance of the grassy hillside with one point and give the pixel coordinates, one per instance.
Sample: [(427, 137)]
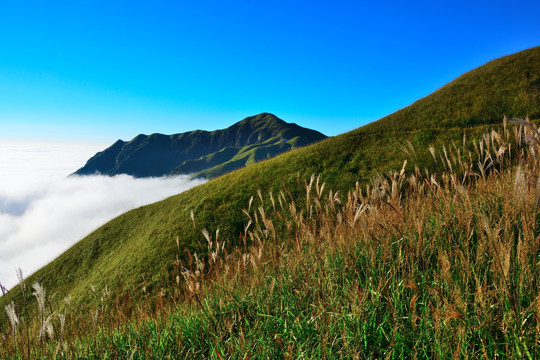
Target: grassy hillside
[(506, 86), (140, 248), (415, 265), (232, 158)]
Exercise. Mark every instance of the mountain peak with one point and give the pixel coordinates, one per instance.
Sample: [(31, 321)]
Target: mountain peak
[(202, 153), (261, 121)]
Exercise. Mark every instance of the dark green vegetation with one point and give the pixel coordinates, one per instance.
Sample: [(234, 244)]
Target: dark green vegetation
[(201, 153), (418, 277)]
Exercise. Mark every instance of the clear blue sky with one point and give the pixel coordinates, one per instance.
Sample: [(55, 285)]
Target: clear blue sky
[(103, 70)]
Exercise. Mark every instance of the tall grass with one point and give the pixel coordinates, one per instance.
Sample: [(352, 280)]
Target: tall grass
[(415, 264)]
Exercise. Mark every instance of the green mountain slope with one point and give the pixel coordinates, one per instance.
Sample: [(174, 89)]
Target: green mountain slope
[(140, 245), (232, 158), (201, 153)]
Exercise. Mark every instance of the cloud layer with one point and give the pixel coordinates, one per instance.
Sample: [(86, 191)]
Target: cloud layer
[(43, 212)]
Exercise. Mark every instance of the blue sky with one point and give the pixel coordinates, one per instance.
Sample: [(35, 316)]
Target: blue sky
[(103, 70)]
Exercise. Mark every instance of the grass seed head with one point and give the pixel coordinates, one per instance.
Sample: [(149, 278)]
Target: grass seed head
[(21, 281), (11, 312), (39, 293)]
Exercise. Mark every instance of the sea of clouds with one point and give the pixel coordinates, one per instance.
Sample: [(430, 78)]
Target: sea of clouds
[(43, 211)]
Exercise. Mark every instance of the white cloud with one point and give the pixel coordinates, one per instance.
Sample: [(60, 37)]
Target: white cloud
[(43, 212)]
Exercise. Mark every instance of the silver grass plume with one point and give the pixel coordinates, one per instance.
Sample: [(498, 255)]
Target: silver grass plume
[(95, 317), (12, 316), (47, 329), (21, 282), (62, 319), (39, 293)]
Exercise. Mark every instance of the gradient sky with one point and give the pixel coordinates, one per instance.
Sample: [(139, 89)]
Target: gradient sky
[(103, 70)]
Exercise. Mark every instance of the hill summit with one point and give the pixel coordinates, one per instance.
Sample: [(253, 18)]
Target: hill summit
[(201, 153)]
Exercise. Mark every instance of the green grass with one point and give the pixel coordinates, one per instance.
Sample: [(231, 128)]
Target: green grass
[(230, 159), (138, 248)]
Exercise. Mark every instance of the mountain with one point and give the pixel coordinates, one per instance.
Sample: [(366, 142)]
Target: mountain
[(141, 243), (201, 153)]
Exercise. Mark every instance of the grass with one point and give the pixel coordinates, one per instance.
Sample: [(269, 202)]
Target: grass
[(230, 159), (413, 265)]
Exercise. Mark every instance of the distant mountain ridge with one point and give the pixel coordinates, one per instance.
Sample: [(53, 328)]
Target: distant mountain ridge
[(201, 153)]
